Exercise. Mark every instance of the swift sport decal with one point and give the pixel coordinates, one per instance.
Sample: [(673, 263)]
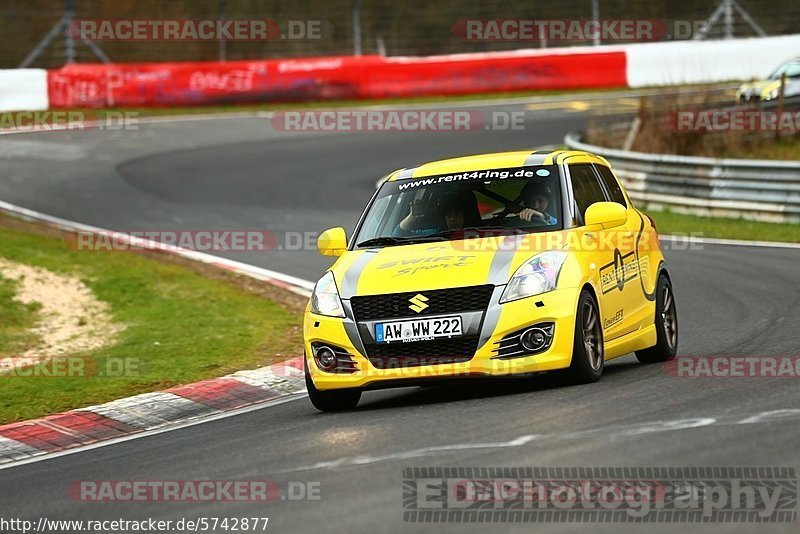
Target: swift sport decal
[(414, 265)]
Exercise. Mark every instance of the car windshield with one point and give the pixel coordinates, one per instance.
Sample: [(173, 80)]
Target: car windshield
[(791, 69), (464, 205)]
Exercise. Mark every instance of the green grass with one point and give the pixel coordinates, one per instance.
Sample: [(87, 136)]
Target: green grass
[(181, 326), (16, 318), (676, 223)]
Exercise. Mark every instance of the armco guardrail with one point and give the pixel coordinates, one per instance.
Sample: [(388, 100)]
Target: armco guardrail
[(752, 189)]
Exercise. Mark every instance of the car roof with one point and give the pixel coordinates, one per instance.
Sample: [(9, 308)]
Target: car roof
[(497, 160)]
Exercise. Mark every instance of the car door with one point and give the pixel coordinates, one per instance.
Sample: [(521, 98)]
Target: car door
[(626, 267), (608, 258)]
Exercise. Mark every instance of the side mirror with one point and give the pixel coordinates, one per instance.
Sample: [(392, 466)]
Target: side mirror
[(606, 215), (332, 242)]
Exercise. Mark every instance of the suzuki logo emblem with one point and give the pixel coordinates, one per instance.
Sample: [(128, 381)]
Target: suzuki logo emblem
[(418, 302)]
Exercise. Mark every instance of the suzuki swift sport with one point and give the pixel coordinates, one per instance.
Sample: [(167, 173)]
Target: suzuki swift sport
[(493, 265)]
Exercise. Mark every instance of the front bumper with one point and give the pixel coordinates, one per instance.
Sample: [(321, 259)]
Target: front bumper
[(500, 320)]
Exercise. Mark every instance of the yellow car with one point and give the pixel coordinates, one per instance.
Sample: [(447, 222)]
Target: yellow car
[(492, 265)]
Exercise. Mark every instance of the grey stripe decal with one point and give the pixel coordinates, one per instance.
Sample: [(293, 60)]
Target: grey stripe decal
[(405, 174), (351, 329), (501, 263), (348, 289), (537, 158), (499, 272), (353, 273), (492, 316)]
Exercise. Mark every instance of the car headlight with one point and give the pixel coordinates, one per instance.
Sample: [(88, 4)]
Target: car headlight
[(325, 298), (536, 276), (772, 95)]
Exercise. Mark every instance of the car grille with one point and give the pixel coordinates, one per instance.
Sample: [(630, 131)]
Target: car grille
[(440, 301), (417, 353)]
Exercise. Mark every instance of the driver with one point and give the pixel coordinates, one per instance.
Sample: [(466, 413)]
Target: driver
[(536, 199)]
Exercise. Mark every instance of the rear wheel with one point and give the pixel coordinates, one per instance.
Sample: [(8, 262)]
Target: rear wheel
[(330, 401), (666, 323), (587, 352)]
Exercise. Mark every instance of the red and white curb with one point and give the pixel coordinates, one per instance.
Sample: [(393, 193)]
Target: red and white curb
[(149, 411), (162, 409)]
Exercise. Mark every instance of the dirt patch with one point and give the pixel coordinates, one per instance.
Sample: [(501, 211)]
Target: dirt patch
[(72, 319)]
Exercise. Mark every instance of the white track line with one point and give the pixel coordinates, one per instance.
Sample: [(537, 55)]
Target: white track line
[(605, 432), (298, 285)]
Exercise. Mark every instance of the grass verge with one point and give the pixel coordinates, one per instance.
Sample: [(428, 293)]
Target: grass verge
[(669, 222), (185, 322)]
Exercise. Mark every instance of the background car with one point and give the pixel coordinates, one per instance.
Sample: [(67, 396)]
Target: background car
[(768, 89)]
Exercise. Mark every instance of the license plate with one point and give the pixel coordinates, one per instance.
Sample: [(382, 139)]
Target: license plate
[(418, 329)]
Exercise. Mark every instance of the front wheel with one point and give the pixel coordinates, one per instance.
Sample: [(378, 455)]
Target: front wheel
[(588, 356), (666, 323), (330, 401)]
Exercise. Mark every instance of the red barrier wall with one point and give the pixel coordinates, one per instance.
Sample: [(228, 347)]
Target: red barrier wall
[(328, 78)]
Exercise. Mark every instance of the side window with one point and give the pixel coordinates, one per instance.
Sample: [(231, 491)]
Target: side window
[(611, 184), (585, 187)]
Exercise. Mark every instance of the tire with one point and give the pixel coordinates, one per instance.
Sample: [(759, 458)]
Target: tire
[(330, 401), (587, 351), (666, 321)]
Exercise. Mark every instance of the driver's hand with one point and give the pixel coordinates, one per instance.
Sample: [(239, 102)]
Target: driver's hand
[(528, 214)]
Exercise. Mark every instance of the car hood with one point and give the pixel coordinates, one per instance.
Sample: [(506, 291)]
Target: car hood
[(437, 265)]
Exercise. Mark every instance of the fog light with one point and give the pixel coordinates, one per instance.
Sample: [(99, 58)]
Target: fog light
[(326, 358), (533, 339)]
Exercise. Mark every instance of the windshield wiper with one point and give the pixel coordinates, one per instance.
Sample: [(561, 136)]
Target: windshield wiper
[(388, 241)]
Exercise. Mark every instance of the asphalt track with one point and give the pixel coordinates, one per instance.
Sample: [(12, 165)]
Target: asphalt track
[(239, 173)]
